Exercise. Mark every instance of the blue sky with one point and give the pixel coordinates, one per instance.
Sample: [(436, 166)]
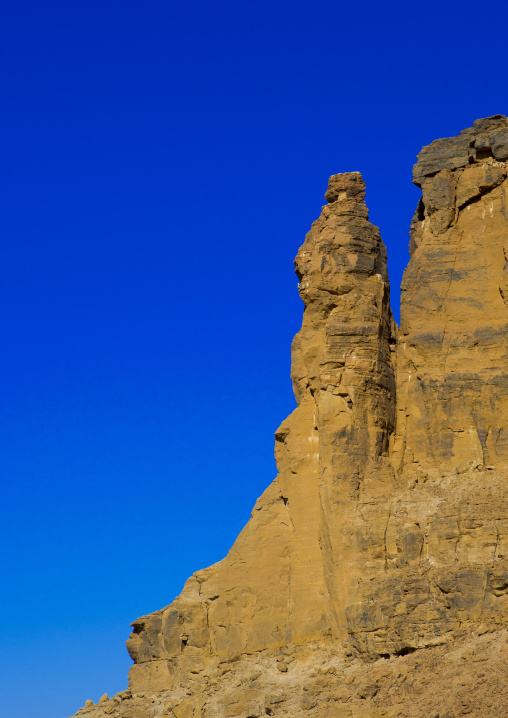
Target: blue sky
[(161, 164)]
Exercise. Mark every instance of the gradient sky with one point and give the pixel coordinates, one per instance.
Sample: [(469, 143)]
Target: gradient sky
[(161, 163)]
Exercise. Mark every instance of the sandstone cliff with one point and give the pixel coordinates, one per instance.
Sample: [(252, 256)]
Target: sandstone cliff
[(452, 378), (372, 577)]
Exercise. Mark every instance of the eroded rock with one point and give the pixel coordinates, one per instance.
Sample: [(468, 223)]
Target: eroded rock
[(452, 355)]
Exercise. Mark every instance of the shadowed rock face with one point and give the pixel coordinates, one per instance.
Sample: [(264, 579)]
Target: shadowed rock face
[(386, 530)]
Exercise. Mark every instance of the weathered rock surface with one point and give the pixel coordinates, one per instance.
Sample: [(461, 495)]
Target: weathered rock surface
[(372, 577), (452, 355)]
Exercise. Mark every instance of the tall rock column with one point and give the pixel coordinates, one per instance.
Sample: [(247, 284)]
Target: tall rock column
[(452, 359), (292, 572), (342, 359)]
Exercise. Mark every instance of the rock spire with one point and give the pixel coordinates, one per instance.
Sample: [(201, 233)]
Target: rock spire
[(285, 578)]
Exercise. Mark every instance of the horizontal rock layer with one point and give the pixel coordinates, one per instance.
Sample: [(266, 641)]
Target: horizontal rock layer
[(319, 680)]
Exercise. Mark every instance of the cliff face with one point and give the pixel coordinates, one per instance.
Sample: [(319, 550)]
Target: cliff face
[(452, 354), (386, 530)]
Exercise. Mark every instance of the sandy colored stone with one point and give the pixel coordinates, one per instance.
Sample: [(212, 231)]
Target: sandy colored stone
[(452, 353), (372, 577), (282, 581)]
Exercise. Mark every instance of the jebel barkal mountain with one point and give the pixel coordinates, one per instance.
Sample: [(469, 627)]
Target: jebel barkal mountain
[(372, 577)]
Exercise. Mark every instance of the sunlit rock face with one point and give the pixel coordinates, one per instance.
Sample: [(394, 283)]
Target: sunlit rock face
[(287, 576), (372, 577), (452, 358)]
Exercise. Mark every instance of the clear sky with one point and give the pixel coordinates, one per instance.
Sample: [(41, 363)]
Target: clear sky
[(161, 163)]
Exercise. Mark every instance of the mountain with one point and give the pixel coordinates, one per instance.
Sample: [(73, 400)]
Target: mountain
[(372, 577)]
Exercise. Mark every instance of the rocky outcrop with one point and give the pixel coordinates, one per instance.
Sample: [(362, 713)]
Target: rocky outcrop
[(382, 545)]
